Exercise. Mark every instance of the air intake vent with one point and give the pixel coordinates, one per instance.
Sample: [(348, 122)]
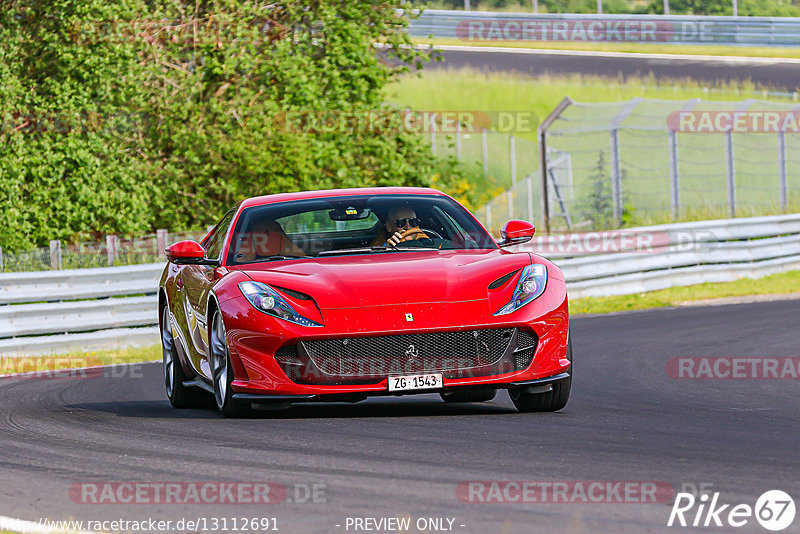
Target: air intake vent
[(526, 347), (286, 354), (294, 294), (502, 280)]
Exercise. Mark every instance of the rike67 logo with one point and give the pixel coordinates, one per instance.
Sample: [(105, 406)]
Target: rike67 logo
[(774, 510)]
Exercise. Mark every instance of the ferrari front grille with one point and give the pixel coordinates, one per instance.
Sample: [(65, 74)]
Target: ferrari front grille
[(368, 360), (408, 353)]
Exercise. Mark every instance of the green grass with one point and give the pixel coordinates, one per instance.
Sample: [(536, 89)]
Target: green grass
[(776, 284), (73, 360), (635, 48), (470, 89)]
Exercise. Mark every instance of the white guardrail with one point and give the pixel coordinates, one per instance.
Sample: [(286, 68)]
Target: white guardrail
[(111, 307), (79, 309), (482, 26)]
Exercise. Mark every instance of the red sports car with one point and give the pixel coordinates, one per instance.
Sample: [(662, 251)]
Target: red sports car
[(340, 295)]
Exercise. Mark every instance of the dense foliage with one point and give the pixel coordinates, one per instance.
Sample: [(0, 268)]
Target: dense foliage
[(131, 115)]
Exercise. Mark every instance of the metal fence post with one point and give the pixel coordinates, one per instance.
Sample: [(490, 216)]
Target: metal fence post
[(485, 152), (161, 242), (489, 216), (433, 134), (111, 249), (616, 171), (674, 177), (512, 147), (782, 174), (730, 161), (55, 255), (674, 163), (458, 140), (1, 259), (616, 178), (541, 134), (530, 198), (730, 171)]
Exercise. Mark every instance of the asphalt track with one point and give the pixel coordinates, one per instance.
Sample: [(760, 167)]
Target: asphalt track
[(784, 76), (627, 420)]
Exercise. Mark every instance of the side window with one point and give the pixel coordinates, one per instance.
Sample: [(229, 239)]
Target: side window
[(217, 239)]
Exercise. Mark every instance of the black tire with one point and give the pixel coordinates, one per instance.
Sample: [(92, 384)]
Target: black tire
[(179, 396), (222, 372), (547, 401), (473, 395)]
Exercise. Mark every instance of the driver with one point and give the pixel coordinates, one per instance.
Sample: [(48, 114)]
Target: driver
[(401, 225), (266, 238)]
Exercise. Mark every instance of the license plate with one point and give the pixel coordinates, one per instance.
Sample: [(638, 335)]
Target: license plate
[(409, 382)]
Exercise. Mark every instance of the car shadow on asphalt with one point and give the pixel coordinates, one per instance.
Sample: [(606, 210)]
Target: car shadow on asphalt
[(383, 407)]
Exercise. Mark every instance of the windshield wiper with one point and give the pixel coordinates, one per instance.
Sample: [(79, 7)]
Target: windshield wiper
[(277, 257), (358, 250), (368, 250)]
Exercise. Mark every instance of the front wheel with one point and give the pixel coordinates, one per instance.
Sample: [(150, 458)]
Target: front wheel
[(221, 371), (545, 401), (179, 395)]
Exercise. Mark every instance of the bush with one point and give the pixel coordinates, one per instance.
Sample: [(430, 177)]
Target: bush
[(114, 123)]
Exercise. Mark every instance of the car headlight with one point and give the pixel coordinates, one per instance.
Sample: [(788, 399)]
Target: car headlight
[(530, 286), (267, 300)]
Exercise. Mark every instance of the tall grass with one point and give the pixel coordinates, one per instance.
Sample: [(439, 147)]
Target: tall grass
[(472, 89)]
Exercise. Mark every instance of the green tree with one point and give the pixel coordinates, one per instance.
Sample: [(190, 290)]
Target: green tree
[(64, 172), (157, 113), (598, 205)]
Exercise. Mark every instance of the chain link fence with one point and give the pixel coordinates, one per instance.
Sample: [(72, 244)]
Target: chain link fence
[(641, 162), (508, 167)]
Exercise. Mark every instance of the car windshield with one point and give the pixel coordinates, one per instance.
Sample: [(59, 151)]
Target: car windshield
[(361, 224)]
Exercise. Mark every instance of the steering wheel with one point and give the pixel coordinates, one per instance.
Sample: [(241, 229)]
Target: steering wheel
[(413, 233), (432, 233)]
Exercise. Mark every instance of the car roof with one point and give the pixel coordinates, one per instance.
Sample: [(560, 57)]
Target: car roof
[(303, 195)]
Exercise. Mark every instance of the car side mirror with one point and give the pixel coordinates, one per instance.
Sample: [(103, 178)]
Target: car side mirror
[(188, 253), (516, 232)]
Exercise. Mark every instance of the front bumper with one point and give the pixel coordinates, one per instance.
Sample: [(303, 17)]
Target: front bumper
[(253, 398), (262, 375)]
